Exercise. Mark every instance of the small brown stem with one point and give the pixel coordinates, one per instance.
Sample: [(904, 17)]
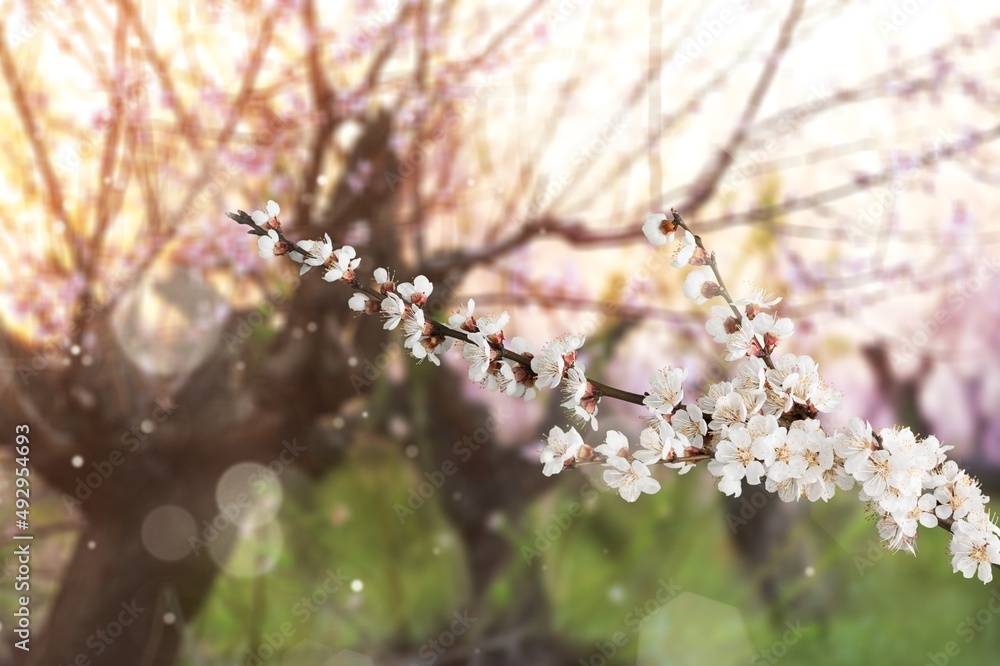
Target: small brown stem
[(724, 292), (447, 331)]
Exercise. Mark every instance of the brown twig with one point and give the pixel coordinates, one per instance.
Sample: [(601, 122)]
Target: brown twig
[(723, 291), (606, 390)]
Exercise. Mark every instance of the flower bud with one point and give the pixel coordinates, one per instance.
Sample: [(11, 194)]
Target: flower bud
[(710, 290)]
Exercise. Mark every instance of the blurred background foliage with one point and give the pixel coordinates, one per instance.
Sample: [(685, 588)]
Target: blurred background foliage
[(838, 152)]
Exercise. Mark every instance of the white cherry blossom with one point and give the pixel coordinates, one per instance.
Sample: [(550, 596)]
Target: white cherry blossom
[(659, 229), (630, 480), (417, 292), (735, 461), (383, 280), (685, 250), (581, 396), (659, 443), (615, 445), (342, 266), (742, 342), (666, 390), (974, 551), (413, 328), (266, 245), (783, 456), (394, 309), (358, 302), (700, 285), (523, 377), (319, 253), (689, 423), (758, 427), (757, 301), (721, 324), (478, 352), (561, 447), (874, 474), (729, 410), (270, 212), (550, 365), (855, 444), (463, 318), (493, 324)]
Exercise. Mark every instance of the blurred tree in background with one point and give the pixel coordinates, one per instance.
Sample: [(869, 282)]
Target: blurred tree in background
[(507, 152)]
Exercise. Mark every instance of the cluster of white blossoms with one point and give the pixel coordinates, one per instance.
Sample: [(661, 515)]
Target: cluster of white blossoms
[(761, 427)]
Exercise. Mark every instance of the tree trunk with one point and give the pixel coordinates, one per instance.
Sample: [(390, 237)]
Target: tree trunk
[(118, 603)]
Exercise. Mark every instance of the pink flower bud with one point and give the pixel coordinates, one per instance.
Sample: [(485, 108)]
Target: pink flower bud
[(710, 290)]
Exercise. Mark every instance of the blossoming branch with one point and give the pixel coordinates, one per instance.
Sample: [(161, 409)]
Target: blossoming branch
[(759, 428)]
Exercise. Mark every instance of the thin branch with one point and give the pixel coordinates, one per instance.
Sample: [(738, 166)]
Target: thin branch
[(707, 182), (53, 190)]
